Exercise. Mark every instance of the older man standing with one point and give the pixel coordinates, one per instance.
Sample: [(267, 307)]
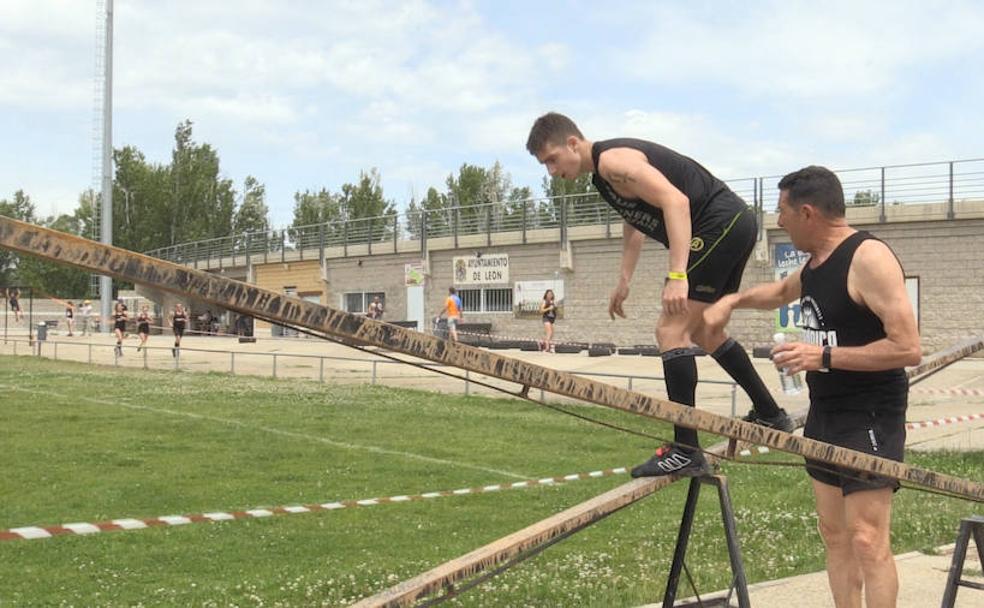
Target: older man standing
[(859, 332)]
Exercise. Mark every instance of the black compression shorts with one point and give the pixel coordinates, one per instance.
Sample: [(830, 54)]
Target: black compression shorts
[(179, 329), (876, 433), (720, 245)]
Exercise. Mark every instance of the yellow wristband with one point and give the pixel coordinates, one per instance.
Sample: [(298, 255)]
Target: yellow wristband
[(677, 276)]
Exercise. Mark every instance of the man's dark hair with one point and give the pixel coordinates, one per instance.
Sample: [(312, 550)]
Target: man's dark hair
[(817, 186), (551, 128), (451, 290)]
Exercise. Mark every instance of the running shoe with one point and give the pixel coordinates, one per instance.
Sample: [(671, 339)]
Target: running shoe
[(779, 422), (673, 460)]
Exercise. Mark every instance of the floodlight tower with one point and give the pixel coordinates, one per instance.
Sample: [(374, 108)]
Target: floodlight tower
[(103, 117)]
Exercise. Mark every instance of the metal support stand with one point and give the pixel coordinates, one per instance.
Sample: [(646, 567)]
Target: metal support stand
[(971, 525), (739, 584)]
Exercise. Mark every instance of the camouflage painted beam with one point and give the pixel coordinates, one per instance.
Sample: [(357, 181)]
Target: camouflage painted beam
[(583, 515), (248, 299)]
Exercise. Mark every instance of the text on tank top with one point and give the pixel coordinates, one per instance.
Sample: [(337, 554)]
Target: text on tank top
[(686, 174), (829, 317)]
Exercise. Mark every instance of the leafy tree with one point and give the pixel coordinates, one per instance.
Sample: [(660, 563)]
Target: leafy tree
[(202, 203), (590, 209), (21, 208), (365, 199), (865, 198), (252, 213), (435, 209)]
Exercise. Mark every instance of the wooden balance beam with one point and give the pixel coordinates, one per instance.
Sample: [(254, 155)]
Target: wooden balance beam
[(514, 547), (237, 296)]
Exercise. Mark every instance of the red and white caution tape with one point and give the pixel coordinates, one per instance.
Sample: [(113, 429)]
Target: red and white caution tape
[(942, 421), (37, 532), (950, 392)]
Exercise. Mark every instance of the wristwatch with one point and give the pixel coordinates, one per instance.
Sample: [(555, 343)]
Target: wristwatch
[(825, 358)]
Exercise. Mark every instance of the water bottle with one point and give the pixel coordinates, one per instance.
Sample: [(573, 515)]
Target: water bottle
[(791, 385)]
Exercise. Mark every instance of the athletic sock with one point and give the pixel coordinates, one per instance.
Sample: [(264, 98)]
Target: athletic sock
[(733, 358), (680, 372)]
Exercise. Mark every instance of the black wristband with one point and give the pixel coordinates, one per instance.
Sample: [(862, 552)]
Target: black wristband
[(825, 358)]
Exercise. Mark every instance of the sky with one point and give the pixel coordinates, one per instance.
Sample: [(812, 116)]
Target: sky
[(306, 94)]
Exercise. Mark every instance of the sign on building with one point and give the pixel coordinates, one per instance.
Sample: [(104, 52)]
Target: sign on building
[(786, 261), (487, 269), (413, 274)]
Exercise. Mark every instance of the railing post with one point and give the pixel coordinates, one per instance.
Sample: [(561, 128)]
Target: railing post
[(90, 353), (467, 383), (455, 219), (345, 238), (949, 210), (321, 241), (247, 252), (525, 204), (232, 363), (194, 255), (369, 237), (608, 222), (266, 245), (374, 373), (488, 225), (734, 400), (396, 231), (300, 244), (283, 246), (630, 383), (274, 365), (423, 233), (882, 218), (321, 370), (563, 221)]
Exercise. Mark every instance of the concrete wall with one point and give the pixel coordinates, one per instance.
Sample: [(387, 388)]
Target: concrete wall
[(946, 255)]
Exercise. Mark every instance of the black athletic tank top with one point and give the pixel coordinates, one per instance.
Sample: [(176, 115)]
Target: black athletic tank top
[(550, 315), (179, 318), (683, 172), (830, 317)]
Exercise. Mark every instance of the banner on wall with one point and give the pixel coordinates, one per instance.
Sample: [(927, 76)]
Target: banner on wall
[(527, 296), (413, 274), (487, 269), (785, 261)]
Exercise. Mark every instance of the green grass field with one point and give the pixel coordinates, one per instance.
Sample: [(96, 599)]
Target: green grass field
[(89, 444)]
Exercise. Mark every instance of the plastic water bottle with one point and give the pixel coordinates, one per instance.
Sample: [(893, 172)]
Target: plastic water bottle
[(791, 384)]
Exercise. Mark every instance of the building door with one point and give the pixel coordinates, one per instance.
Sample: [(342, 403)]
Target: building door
[(415, 306)]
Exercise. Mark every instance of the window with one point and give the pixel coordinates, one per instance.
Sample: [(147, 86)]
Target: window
[(359, 302), (486, 299)]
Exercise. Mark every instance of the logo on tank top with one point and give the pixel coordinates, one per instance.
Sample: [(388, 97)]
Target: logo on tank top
[(637, 213), (811, 320), (696, 243)]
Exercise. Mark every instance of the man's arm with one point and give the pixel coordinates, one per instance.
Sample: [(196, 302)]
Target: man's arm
[(632, 241), (632, 176), (876, 280), (762, 297)]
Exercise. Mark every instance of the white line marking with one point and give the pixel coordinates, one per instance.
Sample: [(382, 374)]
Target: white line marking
[(282, 433)]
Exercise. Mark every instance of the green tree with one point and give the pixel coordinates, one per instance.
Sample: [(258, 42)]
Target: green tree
[(435, 209), (202, 203), (579, 194), (865, 198), (365, 199), (252, 214), (21, 208), (49, 278)]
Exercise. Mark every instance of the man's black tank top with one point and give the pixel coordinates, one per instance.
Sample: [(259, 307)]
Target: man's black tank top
[(179, 318), (830, 317), (689, 177)]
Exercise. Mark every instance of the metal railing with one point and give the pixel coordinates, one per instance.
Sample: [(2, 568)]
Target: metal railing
[(888, 186), (360, 370)]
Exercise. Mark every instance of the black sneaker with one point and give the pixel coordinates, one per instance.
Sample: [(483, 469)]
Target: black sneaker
[(779, 422), (672, 460)]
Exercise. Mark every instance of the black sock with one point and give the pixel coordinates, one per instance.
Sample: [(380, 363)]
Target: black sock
[(680, 372), (733, 358)]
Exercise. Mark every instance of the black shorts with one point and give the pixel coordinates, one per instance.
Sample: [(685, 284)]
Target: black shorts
[(143, 328), (120, 325), (179, 329), (14, 305), (720, 245), (877, 433)]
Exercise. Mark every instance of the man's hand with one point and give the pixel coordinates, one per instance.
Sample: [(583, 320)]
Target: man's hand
[(797, 357), (675, 296), (717, 315), (619, 294)]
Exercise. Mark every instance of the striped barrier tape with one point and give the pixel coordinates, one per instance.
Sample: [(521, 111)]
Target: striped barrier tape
[(942, 421), (81, 529)]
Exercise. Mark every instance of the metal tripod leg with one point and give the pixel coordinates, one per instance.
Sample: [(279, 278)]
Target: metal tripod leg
[(971, 526), (740, 583)]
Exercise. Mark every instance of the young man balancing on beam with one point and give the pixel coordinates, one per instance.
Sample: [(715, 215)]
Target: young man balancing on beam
[(859, 332), (710, 233)]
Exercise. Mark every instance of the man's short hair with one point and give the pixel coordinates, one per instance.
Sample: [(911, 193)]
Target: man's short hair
[(451, 290), (816, 186), (551, 128)]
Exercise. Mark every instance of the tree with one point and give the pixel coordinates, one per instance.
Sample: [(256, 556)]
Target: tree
[(49, 278), (202, 202), (365, 199), (252, 212), (18, 208), (579, 190), (434, 209), (865, 198), (312, 208)]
